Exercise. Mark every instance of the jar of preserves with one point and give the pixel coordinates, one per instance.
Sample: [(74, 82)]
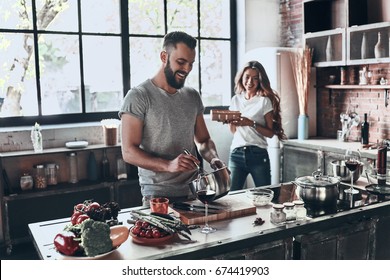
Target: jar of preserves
[(289, 210), (300, 210), (26, 182), (277, 215), (40, 181)]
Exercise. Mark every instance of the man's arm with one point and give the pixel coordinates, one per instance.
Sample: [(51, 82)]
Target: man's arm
[(132, 132)]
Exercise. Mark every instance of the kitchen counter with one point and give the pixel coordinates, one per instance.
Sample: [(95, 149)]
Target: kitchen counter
[(333, 145), (233, 235)]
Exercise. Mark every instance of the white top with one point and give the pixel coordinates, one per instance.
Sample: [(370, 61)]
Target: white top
[(255, 109)]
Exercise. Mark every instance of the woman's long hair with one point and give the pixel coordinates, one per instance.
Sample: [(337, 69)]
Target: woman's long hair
[(264, 89)]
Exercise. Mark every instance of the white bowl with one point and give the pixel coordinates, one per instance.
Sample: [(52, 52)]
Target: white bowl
[(260, 196)]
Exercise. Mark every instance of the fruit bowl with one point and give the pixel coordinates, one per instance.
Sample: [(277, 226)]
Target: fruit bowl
[(260, 196)]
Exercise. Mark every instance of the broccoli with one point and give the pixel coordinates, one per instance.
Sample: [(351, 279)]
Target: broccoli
[(95, 237)]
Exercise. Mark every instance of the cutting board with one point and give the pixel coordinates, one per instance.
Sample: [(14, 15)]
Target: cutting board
[(233, 206)]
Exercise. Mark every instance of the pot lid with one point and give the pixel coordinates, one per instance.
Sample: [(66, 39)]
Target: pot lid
[(318, 180)]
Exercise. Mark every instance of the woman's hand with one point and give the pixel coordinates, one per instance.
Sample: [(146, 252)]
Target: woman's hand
[(243, 121)]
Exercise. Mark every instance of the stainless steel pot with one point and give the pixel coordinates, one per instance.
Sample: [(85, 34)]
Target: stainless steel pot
[(219, 181), (340, 170), (317, 189)]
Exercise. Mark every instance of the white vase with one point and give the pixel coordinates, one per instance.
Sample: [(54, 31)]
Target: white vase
[(329, 49), (303, 127), (364, 47)]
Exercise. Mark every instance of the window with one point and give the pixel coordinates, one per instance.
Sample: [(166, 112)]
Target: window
[(73, 61)]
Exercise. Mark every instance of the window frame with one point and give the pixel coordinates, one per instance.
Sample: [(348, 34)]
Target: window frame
[(126, 66)]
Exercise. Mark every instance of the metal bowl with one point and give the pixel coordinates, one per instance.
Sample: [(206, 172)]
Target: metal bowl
[(340, 170), (219, 181)]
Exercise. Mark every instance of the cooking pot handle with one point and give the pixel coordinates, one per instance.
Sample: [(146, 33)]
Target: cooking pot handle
[(317, 174)]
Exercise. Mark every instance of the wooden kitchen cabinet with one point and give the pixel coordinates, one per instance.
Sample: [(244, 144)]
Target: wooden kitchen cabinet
[(19, 208), (334, 30), (353, 241), (275, 250)]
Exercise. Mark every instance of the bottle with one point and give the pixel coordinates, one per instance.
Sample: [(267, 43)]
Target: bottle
[(105, 166), (379, 49), (365, 129), (329, 49), (92, 167), (364, 47), (73, 176), (278, 216), (343, 76), (289, 211), (300, 210)]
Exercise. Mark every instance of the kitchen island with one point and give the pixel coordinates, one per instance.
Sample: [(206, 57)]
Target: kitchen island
[(327, 236)]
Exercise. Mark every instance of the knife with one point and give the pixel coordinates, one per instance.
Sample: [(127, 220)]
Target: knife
[(182, 206), (211, 207)]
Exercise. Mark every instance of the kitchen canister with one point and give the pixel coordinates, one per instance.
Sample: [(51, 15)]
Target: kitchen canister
[(73, 174), (40, 181), (51, 170)]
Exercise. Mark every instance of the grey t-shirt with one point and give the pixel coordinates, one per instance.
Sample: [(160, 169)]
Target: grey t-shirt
[(169, 127)]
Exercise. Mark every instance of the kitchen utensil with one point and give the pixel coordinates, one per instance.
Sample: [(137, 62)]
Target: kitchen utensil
[(317, 189), (193, 205), (199, 209), (260, 196), (219, 181), (340, 170), (201, 171)]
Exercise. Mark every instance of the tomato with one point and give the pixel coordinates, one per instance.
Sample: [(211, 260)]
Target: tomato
[(79, 207), (81, 218), (149, 233), (75, 216), (136, 230), (142, 233), (138, 223), (145, 225), (156, 234), (93, 205)]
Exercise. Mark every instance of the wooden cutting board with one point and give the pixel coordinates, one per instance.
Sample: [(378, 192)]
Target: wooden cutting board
[(234, 206)]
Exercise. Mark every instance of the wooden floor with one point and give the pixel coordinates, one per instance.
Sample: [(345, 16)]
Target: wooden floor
[(25, 251)]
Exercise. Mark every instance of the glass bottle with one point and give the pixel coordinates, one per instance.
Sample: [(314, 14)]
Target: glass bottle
[(300, 210), (277, 215), (92, 167), (73, 176), (365, 129), (26, 182), (105, 166), (289, 210)]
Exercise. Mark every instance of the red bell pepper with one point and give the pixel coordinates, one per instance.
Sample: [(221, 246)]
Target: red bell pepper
[(66, 244)]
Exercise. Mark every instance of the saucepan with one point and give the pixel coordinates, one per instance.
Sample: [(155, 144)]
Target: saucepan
[(317, 189), (219, 181)]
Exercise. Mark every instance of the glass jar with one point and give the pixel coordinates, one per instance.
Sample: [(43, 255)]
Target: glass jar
[(300, 210), (26, 182), (40, 181), (289, 210), (51, 173), (73, 176), (277, 215)]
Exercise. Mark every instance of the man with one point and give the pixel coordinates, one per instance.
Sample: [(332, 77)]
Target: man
[(160, 118)]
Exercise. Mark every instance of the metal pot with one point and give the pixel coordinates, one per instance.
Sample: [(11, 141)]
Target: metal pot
[(219, 181), (340, 170), (317, 189)]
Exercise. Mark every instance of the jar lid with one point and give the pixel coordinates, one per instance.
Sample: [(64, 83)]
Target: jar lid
[(51, 165), (39, 166), (278, 206), (298, 202), (288, 204)]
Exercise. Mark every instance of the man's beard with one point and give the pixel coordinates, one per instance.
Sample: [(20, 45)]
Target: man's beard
[(170, 76)]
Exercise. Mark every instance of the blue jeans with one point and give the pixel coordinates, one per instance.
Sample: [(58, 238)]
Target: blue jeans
[(249, 160)]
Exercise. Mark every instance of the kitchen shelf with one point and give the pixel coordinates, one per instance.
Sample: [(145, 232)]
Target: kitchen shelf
[(344, 22), (385, 88)]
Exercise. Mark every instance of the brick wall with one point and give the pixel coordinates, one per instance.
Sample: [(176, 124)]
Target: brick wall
[(329, 106)]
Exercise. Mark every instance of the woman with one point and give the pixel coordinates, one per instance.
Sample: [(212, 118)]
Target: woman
[(260, 118)]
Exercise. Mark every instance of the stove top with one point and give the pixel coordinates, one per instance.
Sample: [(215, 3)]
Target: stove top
[(286, 193)]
